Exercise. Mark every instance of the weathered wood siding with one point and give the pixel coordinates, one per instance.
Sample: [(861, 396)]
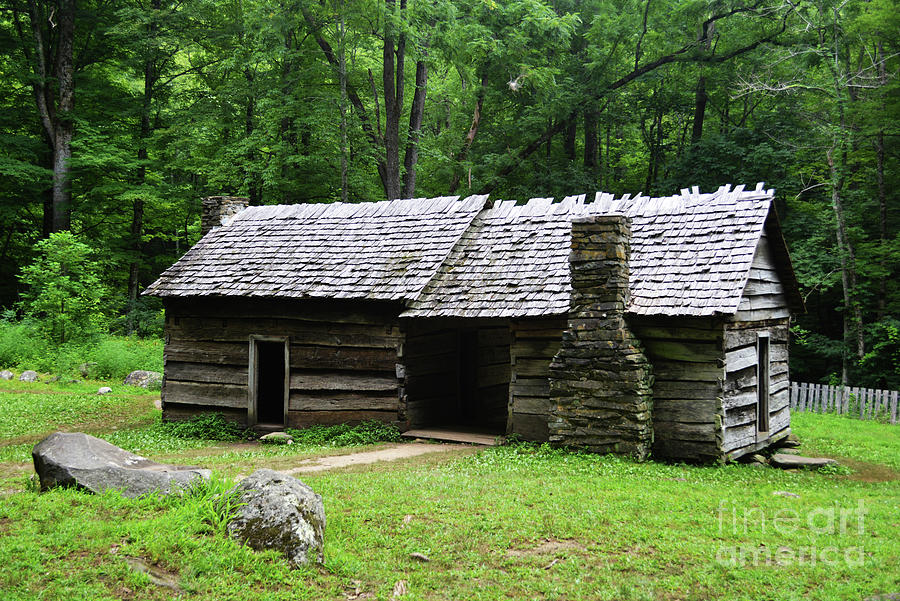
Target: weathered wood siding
[(534, 344), (343, 358), (763, 311), (687, 359), (431, 360), (493, 375)]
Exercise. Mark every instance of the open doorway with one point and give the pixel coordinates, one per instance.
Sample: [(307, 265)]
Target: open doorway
[(458, 377), (269, 381)]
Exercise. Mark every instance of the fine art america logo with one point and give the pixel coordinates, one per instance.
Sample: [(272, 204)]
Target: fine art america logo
[(737, 519)]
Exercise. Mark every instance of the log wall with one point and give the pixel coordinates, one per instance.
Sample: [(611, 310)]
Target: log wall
[(686, 354), (343, 358), (534, 344), (763, 310)]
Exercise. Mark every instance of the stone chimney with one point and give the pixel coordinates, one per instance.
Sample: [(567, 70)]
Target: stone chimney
[(219, 210), (600, 380)]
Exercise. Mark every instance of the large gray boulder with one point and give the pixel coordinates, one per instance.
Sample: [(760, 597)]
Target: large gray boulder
[(6, 375), (82, 461), (281, 513), (144, 379), (29, 376)]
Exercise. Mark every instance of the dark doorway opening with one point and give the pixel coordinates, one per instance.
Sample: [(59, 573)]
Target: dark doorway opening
[(458, 377), (270, 382)]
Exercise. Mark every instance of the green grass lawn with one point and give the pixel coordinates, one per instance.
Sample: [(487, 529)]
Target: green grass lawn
[(511, 522)]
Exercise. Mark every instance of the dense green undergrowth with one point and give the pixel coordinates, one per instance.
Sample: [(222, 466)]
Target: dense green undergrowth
[(102, 357)]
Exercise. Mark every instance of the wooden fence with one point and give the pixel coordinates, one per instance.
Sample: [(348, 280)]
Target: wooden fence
[(863, 403)]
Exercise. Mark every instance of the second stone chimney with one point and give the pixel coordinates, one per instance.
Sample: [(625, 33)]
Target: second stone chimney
[(600, 380), (219, 210)]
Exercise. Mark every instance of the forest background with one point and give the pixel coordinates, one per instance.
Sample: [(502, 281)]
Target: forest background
[(118, 116)]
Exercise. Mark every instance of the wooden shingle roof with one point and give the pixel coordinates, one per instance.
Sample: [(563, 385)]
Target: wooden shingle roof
[(690, 255), (383, 250), (443, 257)]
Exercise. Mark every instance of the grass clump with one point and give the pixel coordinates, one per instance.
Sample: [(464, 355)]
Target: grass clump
[(344, 435)]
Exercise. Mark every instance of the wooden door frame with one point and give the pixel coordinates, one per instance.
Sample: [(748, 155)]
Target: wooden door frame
[(763, 388), (253, 374)]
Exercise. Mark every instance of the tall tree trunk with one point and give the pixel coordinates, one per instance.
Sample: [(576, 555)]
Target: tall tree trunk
[(342, 76), (470, 135), (591, 141), (393, 104), (700, 99), (416, 115), (569, 139)]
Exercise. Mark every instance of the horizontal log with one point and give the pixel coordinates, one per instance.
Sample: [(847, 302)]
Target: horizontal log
[(539, 368), (684, 371), (493, 336), (763, 274), (739, 416), (535, 349), (741, 359), (219, 353), (433, 343), (347, 358), (493, 375), (686, 450), (763, 288), (674, 350), (533, 387), (343, 381), (686, 411), (342, 402), (737, 338), (197, 393), (710, 334), (680, 389), (530, 427), (204, 372), (327, 310), (542, 328), (531, 405), (303, 419), (681, 431), (739, 436), (493, 355), (315, 333), (760, 314)]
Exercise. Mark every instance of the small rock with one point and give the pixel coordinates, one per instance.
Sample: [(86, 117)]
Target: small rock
[(79, 460), (277, 438), (791, 442), (85, 368), (144, 379), (400, 589), (281, 513), (104, 390), (784, 493), (419, 557), (6, 375), (757, 458), (783, 460), (789, 451), (29, 376)]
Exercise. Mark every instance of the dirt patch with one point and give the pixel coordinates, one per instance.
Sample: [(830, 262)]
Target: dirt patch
[(869, 472), (548, 547), (391, 453)]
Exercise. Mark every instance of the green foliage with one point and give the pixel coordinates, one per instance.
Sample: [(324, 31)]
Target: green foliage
[(213, 502), (65, 293), (114, 357), (207, 426), (343, 435)]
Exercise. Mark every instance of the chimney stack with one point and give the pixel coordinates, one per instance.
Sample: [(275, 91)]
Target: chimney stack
[(219, 210), (600, 380)]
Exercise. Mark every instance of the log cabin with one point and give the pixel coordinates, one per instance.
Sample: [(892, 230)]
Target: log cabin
[(635, 325)]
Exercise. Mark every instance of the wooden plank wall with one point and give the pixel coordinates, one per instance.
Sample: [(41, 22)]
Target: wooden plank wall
[(534, 344), (686, 354), (763, 309), (431, 361), (493, 375), (343, 358), (740, 401), (764, 297)]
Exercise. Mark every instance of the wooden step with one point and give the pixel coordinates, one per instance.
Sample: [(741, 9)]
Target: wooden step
[(454, 435)]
